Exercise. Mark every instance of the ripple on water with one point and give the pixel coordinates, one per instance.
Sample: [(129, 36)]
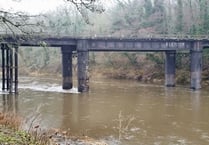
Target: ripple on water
[(48, 88), (171, 140)]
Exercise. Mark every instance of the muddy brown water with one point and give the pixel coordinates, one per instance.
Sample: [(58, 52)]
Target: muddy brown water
[(118, 112)]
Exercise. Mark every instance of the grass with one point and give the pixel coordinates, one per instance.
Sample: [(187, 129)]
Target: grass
[(12, 134)]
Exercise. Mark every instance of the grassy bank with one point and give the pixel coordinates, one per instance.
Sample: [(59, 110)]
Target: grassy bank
[(12, 133)]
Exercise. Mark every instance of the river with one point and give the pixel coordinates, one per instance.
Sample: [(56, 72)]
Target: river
[(119, 112)]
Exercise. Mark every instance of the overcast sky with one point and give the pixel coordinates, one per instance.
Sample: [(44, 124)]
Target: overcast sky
[(34, 6), (30, 6)]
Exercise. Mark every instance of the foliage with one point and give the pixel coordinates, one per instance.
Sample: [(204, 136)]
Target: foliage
[(18, 23), (182, 60), (10, 132), (39, 59), (156, 58), (132, 57), (13, 137), (65, 21)]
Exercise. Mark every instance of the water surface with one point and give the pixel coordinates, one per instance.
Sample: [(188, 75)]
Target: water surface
[(119, 112)]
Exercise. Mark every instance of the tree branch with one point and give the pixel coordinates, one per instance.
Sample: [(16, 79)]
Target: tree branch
[(18, 22), (91, 5)]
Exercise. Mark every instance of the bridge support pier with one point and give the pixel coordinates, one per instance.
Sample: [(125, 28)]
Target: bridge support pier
[(83, 71), (170, 65), (196, 66), (67, 81), (83, 58)]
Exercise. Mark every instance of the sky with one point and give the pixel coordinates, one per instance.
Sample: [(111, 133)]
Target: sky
[(30, 6), (34, 6)]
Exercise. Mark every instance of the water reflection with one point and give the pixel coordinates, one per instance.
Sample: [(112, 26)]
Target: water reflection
[(76, 112), (10, 103), (70, 108), (196, 100)]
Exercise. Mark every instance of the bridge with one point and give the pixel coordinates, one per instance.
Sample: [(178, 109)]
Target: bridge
[(83, 45)]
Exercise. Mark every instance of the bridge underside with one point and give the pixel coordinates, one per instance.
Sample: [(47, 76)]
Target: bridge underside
[(83, 45)]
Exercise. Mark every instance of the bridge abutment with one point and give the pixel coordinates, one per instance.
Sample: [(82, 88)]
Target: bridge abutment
[(83, 58), (67, 80), (196, 66), (170, 66)]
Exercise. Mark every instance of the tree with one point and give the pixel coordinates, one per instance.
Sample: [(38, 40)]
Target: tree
[(204, 15), (147, 8), (18, 22), (159, 17), (179, 24), (64, 21)]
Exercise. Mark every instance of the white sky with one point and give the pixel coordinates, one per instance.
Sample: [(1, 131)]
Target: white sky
[(35, 6), (30, 6)]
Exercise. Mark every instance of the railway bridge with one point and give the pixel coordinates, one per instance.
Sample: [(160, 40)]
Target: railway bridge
[(83, 45)]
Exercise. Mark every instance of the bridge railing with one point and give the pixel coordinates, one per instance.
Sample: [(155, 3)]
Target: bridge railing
[(107, 36)]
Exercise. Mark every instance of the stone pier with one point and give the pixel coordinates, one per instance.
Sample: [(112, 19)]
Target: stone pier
[(196, 65), (170, 65), (83, 58)]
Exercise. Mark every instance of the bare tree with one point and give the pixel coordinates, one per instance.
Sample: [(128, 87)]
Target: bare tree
[(19, 22), (83, 6)]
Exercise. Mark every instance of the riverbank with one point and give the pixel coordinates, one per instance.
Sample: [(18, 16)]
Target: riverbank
[(142, 67), (12, 133), (148, 74)]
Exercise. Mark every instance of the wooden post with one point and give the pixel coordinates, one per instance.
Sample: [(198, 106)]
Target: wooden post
[(196, 66), (83, 58), (170, 65), (67, 81)]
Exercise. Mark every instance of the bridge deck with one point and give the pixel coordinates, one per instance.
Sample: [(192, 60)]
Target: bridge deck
[(109, 43)]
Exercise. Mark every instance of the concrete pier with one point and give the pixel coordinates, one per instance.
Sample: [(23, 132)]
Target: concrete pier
[(83, 58), (170, 66), (67, 81), (196, 66)]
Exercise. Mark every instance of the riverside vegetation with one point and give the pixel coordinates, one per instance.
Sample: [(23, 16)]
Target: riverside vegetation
[(12, 133), (132, 18)]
